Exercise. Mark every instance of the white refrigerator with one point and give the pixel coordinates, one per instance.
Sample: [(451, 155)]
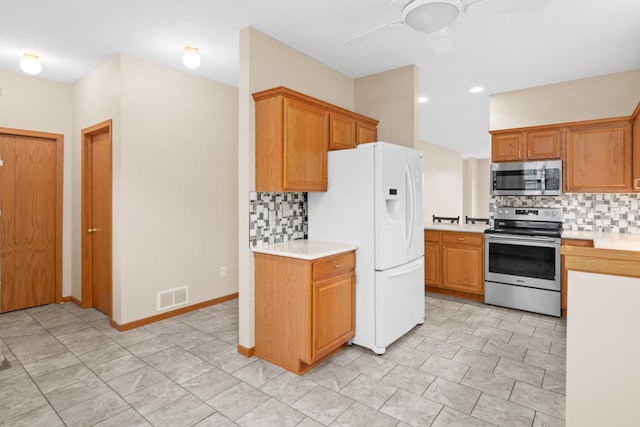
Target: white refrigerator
[(374, 200)]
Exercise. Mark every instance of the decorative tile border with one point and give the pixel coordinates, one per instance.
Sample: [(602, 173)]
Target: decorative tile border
[(276, 217), (601, 212)]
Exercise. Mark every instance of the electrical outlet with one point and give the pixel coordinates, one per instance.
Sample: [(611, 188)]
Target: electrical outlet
[(223, 271)]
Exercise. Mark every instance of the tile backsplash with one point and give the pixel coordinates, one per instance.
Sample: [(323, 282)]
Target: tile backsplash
[(604, 212), (276, 217)]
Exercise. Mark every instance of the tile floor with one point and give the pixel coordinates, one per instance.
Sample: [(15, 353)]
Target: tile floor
[(468, 365)]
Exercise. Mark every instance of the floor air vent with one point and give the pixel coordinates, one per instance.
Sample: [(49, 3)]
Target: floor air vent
[(172, 298)]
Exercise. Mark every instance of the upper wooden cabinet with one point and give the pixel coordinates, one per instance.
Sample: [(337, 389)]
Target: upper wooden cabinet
[(530, 144), (366, 132), (293, 134), (636, 147), (598, 156)]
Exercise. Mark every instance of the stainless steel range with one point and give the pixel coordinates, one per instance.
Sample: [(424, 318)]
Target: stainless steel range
[(522, 260)]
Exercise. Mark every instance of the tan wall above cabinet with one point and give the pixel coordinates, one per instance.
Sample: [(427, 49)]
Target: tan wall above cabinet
[(293, 134), (599, 156)]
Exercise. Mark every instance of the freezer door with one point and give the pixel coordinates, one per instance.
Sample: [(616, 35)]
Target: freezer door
[(416, 227), (398, 203), (399, 302)]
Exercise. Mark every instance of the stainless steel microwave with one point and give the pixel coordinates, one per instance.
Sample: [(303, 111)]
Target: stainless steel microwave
[(543, 178)]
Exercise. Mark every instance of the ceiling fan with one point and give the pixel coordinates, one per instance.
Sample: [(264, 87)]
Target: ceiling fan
[(434, 17)]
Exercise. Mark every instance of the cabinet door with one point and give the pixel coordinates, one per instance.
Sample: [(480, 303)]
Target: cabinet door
[(543, 144), (343, 132), (507, 147), (333, 314), (598, 158), (366, 133), (432, 258), (462, 268), (306, 142)]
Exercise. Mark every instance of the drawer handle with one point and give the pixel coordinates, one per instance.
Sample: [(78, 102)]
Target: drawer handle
[(460, 238), (337, 266)]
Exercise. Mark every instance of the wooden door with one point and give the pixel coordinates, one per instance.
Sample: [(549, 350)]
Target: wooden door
[(30, 219), (96, 219)]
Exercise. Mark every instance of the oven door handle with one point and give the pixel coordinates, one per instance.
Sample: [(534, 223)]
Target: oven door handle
[(495, 237)]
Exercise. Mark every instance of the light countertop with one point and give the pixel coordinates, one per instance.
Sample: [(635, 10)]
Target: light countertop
[(615, 241), (305, 249), (468, 228)]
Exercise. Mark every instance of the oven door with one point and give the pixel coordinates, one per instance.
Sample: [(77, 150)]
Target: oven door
[(531, 261)]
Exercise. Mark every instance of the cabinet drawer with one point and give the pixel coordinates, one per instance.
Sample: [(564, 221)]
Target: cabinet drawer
[(466, 238), (333, 266), (431, 236)]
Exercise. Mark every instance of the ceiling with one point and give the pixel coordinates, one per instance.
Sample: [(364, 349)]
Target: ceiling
[(567, 40)]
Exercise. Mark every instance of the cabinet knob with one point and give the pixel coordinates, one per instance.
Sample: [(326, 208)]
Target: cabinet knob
[(460, 238), (337, 266)]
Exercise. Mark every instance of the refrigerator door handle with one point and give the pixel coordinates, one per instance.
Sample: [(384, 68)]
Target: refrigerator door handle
[(408, 268), (410, 206)]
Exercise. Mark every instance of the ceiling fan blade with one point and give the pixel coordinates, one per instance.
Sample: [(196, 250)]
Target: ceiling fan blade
[(441, 42), (505, 7), (374, 32)]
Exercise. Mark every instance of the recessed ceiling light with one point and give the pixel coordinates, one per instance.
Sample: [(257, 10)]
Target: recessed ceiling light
[(191, 58), (476, 89), (30, 64), (423, 99)]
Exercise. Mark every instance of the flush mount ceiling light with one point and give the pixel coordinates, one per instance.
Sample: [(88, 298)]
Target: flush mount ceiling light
[(423, 99), (476, 89), (30, 64), (191, 58), (429, 16)]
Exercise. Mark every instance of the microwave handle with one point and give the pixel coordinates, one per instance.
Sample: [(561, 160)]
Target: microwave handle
[(543, 184)]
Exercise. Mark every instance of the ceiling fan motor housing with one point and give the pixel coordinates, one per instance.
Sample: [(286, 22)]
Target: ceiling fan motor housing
[(429, 16)]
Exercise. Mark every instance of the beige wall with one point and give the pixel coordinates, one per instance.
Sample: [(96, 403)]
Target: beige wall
[(177, 214), (611, 95), (266, 63), (602, 350), (96, 98), (391, 97), (476, 188), (32, 103), (442, 181)]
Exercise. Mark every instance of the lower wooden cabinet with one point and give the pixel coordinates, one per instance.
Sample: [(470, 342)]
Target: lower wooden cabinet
[(454, 263), (563, 277), (304, 310)]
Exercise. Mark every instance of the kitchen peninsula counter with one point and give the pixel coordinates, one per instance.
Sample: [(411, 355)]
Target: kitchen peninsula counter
[(467, 228), (305, 249), (602, 352), (613, 241)]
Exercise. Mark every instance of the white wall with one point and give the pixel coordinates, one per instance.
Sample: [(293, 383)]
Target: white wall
[(611, 95), (33, 103), (391, 97), (443, 181)]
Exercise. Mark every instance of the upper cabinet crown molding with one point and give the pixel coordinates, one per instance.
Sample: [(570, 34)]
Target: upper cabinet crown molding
[(293, 134)]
